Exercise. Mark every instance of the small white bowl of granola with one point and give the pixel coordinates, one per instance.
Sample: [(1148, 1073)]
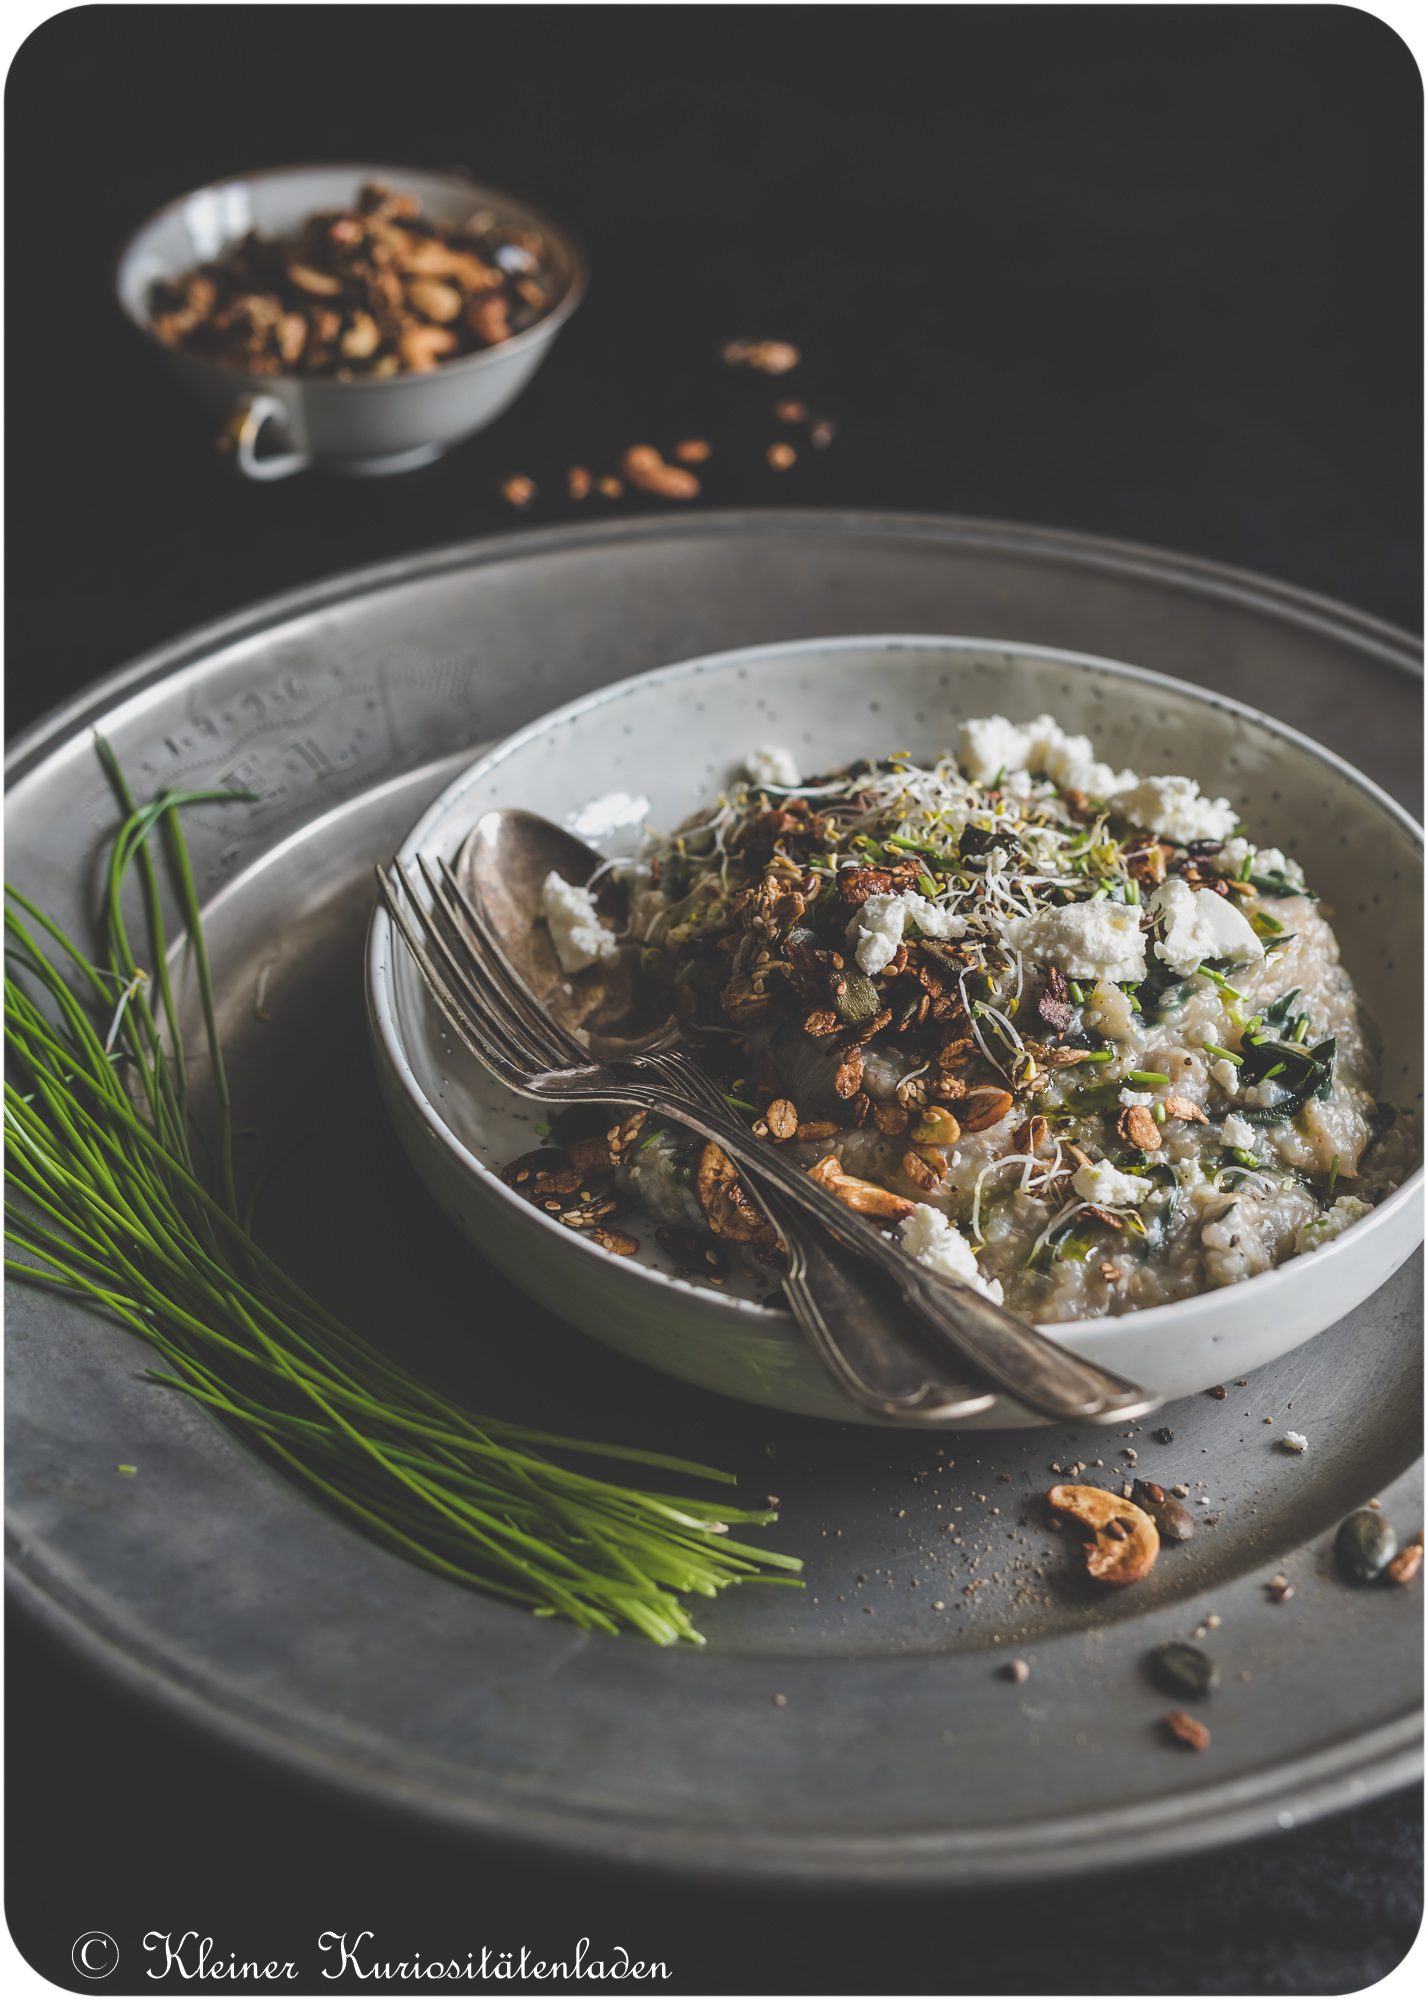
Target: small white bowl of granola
[(1025, 952), (365, 318)]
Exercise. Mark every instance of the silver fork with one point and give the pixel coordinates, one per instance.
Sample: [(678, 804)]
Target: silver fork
[(490, 1010), (857, 1334)]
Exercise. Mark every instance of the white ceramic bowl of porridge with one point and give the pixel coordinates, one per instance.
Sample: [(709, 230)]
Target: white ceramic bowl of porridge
[(651, 750)]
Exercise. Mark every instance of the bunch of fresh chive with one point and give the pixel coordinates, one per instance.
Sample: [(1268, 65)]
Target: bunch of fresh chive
[(110, 1208)]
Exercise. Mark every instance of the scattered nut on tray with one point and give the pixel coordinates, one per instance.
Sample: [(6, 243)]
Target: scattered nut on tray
[(371, 291)]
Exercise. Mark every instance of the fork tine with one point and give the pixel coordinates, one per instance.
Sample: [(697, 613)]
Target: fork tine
[(570, 1050), (483, 1034), (452, 1010), (472, 944), (466, 974), (481, 1031)]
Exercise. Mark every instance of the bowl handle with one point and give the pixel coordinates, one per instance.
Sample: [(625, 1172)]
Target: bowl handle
[(240, 436)]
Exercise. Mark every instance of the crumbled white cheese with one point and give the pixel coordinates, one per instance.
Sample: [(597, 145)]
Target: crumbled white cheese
[(928, 1236), (769, 765), (1086, 940), (1263, 861), (605, 815), (934, 920), (1106, 1185), (1272, 861), (1264, 1096), (1173, 807), (1199, 925), (1238, 1132), (1294, 1441), (990, 744), (1322, 1229), (1226, 1075), (876, 928), (1129, 1096), (579, 937)]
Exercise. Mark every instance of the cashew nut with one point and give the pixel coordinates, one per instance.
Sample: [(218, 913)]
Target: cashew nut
[(865, 1196), (643, 466), (1124, 1541)]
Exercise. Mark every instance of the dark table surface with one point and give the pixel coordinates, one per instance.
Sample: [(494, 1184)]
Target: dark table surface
[(1145, 272)]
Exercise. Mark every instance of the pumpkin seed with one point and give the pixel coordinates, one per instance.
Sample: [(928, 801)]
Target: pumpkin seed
[(1364, 1545), (1171, 1519), (855, 999), (1182, 1669)]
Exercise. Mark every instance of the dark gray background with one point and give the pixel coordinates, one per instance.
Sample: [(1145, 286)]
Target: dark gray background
[(1148, 272)]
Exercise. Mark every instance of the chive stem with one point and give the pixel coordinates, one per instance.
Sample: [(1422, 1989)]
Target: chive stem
[(107, 1207)]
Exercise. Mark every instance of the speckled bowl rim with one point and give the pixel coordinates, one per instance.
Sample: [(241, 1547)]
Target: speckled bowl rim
[(381, 943), (465, 364)]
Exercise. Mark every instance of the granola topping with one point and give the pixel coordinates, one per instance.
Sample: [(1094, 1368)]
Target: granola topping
[(372, 291)]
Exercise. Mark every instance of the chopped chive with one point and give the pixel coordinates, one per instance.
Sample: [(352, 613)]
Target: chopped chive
[(129, 1470), (1132, 890), (1141, 1077), (1221, 982), (1245, 866), (1102, 893), (1223, 1055), (1076, 993), (1333, 1176), (926, 884), (1096, 1056), (1157, 1112), (740, 1104), (1272, 1072), (1245, 1158), (543, 1130), (906, 846), (1301, 1029)]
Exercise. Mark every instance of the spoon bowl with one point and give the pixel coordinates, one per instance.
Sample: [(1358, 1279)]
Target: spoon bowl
[(503, 867)]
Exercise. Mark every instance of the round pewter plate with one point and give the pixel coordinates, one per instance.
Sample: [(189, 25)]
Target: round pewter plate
[(899, 1751)]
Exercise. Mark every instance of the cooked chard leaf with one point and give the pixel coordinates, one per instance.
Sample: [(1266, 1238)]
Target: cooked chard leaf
[(1278, 1013)]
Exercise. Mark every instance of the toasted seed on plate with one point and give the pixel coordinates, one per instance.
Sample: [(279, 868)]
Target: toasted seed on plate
[(1187, 1732), (1181, 1668), (1364, 1545)]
